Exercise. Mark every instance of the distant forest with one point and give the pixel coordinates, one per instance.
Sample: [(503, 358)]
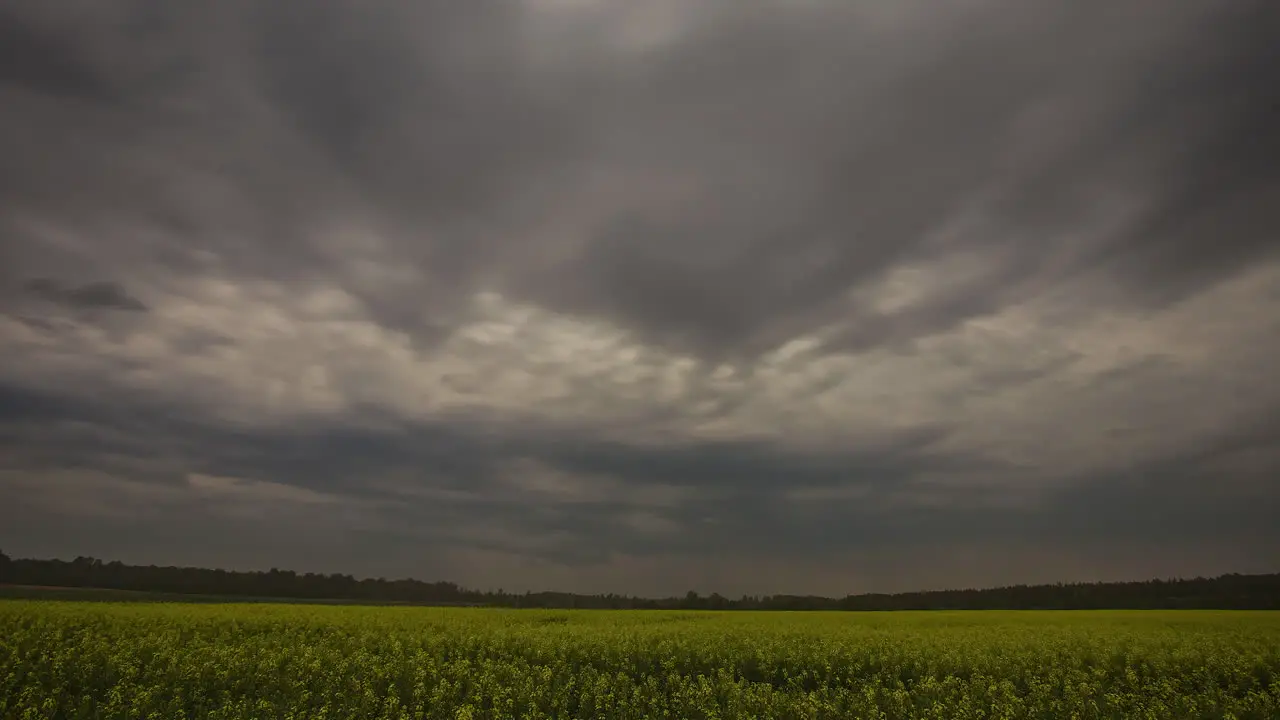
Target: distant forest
[(1243, 592)]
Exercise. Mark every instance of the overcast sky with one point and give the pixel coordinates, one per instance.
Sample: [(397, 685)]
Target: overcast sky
[(743, 296)]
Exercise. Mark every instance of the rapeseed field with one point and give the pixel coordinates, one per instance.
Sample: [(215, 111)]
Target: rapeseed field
[(120, 660)]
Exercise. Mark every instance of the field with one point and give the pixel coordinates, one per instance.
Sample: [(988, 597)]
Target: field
[(161, 660)]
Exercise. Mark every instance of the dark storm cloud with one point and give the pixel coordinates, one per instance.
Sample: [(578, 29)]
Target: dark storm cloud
[(103, 295), (820, 148), (447, 494), (402, 97), (764, 171), (237, 134), (40, 56), (749, 467), (857, 169)]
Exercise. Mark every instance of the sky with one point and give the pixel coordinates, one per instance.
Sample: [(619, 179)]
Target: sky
[(737, 296)]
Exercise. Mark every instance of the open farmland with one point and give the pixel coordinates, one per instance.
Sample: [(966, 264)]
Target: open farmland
[(118, 660)]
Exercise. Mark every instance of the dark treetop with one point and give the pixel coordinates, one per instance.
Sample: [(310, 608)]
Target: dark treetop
[(1233, 591)]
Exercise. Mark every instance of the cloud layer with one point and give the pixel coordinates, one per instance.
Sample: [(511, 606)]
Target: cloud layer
[(760, 296)]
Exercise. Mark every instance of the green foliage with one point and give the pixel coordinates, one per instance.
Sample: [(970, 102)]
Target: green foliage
[(107, 660)]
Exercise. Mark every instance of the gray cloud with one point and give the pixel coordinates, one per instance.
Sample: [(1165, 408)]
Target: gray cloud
[(438, 492), (602, 296), (39, 56), (104, 295), (896, 157)]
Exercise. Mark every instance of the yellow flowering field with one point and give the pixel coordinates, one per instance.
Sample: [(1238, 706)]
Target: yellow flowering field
[(155, 660)]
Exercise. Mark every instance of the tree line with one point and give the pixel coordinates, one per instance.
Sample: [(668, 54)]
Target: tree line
[(1232, 591)]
